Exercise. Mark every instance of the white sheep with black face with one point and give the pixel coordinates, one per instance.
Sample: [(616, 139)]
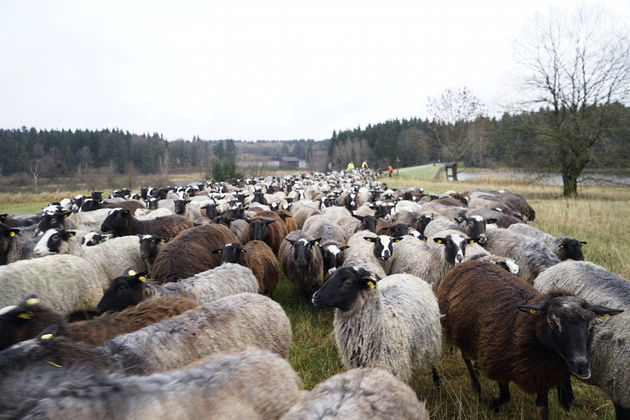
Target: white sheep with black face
[(610, 346), (393, 323)]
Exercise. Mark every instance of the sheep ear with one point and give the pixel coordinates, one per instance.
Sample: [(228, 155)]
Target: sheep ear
[(397, 239), (163, 240), (27, 315), (315, 241), (370, 280), (13, 232), (471, 241), (604, 312), (268, 222), (48, 333), (583, 242), (125, 211), (491, 221), (438, 240), (217, 251), (291, 241), (369, 238), (3, 217), (459, 219), (71, 233), (66, 213), (142, 277), (341, 248), (533, 309)]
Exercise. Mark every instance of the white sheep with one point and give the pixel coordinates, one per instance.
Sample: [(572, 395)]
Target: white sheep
[(393, 324), (360, 253), (564, 247), (362, 393), (610, 347)]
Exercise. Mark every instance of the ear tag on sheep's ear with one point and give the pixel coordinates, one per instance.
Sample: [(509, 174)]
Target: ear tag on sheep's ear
[(25, 315), (371, 284), (162, 240), (533, 311), (11, 234), (51, 363), (561, 245), (243, 251), (131, 273), (602, 316), (46, 337), (71, 233), (142, 278), (316, 243), (32, 301)]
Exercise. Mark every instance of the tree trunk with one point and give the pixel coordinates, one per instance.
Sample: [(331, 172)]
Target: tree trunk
[(455, 171), (569, 183)]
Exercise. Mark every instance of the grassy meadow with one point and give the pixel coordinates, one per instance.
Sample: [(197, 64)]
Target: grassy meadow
[(600, 216)]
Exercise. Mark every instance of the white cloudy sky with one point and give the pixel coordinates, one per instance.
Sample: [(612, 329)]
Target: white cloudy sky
[(248, 69)]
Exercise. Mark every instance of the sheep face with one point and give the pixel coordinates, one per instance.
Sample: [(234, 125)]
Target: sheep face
[(180, 206), (118, 221), (7, 234), (152, 203), (423, 221), (332, 256), (475, 227), (455, 247), (231, 253), (211, 210), (123, 291), (571, 249), (24, 321), (344, 287), (400, 229), (562, 324), (303, 250), (52, 242), (258, 228), (149, 246), (94, 238), (367, 222), (90, 204), (50, 221), (383, 245)]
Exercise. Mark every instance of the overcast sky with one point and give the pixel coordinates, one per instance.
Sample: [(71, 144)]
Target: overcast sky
[(252, 69)]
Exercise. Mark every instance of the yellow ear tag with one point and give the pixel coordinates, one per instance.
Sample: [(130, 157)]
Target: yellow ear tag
[(142, 278), (440, 241), (26, 315), (131, 273), (32, 301), (371, 284), (71, 234), (12, 234), (46, 337), (533, 311), (603, 316), (316, 243), (53, 363)]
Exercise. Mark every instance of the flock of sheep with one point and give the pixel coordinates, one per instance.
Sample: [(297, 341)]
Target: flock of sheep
[(183, 279)]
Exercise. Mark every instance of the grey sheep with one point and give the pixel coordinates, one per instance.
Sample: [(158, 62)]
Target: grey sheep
[(233, 323), (227, 385), (360, 253), (610, 347), (332, 240), (362, 393), (225, 280), (530, 254), (564, 247), (393, 323), (431, 263), (302, 261)]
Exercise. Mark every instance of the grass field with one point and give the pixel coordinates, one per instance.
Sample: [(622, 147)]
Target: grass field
[(600, 216)]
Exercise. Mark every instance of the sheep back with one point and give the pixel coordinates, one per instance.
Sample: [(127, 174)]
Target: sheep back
[(189, 253), (364, 393), (261, 260)]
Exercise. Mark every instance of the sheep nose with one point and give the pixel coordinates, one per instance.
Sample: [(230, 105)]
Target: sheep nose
[(580, 367), (315, 299), (483, 239), (459, 258)]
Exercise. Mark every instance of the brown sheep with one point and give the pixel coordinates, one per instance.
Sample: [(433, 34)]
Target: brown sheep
[(189, 253), (122, 223), (258, 257), (268, 227), (515, 333), (26, 320), (288, 219)]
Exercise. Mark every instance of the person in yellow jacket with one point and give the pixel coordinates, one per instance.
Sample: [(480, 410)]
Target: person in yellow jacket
[(351, 165), (364, 164)]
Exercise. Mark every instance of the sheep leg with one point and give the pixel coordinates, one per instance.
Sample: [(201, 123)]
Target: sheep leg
[(542, 406), (621, 413), (473, 376), (504, 396), (565, 395), (436, 377)]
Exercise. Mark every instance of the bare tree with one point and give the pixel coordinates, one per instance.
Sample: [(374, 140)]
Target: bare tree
[(576, 67), (453, 112)]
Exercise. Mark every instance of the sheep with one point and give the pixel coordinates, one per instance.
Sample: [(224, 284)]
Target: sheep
[(258, 257), (485, 199), (515, 333), (332, 240), (428, 262), (189, 253), (288, 219), (150, 247), (565, 248), (57, 241), (189, 210), (302, 261), (94, 238), (473, 226), (16, 244), (268, 227), (610, 348), (302, 211), (518, 202), (363, 393), (502, 220), (417, 221), (25, 320), (361, 254), (231, 323), (122, 223), (146, 214), (208, 286), (235, 385), (392, 323), (349, 225), (531, 255), (65, 283)]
